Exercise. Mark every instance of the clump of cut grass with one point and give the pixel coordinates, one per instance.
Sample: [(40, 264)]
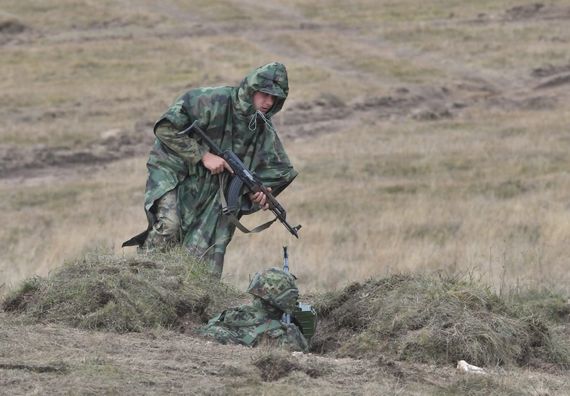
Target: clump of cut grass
[(274, 364), (101, 291), (434, 319)]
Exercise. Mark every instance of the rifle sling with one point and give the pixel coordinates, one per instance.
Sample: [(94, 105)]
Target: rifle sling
[(231, 216)]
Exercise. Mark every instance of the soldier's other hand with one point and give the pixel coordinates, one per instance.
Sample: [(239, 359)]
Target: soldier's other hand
[(215, 164), (260, 198)]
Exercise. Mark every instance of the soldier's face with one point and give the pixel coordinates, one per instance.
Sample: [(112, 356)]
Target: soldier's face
[(263, 102)]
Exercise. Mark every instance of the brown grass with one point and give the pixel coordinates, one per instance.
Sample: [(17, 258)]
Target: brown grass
[(442, 319), (482, 191), (102, 291)]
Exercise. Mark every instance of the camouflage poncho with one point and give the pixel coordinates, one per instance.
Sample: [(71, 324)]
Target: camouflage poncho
[(252, 324), (228, 116)]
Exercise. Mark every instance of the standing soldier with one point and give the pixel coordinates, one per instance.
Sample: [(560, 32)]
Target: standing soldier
[(182, 192), (274, 293)]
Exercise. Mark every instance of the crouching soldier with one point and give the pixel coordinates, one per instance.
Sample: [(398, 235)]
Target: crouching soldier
[(274, 293), (185, 180)]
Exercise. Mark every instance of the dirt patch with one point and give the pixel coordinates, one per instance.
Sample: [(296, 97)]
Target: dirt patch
[(555, 82), (111, 23), (52, 368), (550, 70), (537, 11), (506, 103), (330, 113), (328, 107), (11, 25), (525, 11), (167, 362), (431, 114), (17, 161), (409, 102)]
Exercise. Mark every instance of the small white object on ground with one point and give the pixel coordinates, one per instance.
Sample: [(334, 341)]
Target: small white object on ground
[(464, 367)]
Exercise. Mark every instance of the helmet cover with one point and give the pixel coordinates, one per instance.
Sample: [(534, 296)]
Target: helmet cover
[(276, 287)]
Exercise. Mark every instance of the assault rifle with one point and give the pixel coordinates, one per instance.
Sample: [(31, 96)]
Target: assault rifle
[(243, 176)]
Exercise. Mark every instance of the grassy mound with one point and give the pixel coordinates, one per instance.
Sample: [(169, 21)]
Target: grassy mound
[(408, 317), (123, 294), (438, 320)]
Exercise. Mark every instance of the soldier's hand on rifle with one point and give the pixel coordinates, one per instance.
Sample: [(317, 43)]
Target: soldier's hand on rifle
[(260, 198), (215, 164)]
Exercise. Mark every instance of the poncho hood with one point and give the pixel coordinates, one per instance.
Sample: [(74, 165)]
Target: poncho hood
[(270, 79)]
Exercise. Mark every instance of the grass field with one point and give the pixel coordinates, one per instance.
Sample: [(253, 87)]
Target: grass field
[(430, 139), (428, 136)]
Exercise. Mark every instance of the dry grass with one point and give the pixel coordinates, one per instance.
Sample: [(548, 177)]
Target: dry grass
[(457, 196), (52, 359), (102, 291), (483, 191), (442, 320), (444, 156), (275, 364), (45, 231)]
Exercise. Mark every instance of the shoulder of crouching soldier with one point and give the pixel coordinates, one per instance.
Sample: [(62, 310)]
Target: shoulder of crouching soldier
[(197, 104), (207, 104)]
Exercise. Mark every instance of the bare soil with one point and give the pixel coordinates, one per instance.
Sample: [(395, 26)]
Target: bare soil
[(53, 359)]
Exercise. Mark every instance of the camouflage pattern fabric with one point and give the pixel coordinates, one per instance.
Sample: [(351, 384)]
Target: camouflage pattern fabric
[(165, 231), (229, 118), (253, 324), (276, 287)]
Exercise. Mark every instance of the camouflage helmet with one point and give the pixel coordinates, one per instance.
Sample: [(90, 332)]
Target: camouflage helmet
[(276, 287)]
